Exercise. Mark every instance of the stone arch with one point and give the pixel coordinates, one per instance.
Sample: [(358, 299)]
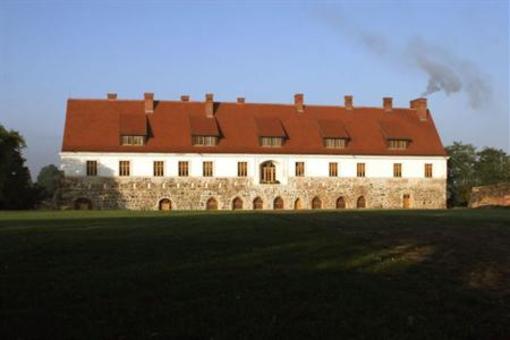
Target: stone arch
[(298, 204), (83, 203), (361, 202), (316, 203), (340, 203), (237, 204), (278, 203), (258, 203), (211, 204), (165, 204)]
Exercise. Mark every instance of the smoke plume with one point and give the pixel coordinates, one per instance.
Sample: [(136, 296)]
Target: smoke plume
[(446, 72)]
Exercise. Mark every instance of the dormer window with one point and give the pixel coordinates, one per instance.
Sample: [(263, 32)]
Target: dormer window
[(271, 142), (204, 140), (398, 144), (335, 143), (132, 140)]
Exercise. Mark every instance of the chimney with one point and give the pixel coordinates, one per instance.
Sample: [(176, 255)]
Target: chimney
[(184, 98), (299, 102), (420, 105), (240, 100), (348, 102), (149, 102), (111, 96), (388, 104), (209, 105)]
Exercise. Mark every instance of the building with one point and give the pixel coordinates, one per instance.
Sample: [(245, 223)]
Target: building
[(156, 154)]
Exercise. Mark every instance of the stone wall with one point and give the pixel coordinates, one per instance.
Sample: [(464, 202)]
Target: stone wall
[(490, 195), (145, 193)]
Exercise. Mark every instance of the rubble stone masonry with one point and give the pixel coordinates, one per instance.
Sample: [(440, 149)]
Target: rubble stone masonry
[(191, 193)]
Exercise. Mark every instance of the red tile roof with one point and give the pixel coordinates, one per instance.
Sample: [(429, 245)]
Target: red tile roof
[(96, 124), (132, 124)]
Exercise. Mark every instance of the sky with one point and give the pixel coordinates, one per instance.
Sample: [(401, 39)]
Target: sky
[(454, 52)]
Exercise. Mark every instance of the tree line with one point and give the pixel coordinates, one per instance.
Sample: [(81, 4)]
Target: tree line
[(467, 167)]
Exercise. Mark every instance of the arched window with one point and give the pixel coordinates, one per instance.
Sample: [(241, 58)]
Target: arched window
[(298, 204), (407, 201), (361, 203), (268, 173), (278, 203), (340, 203), (237, 204), (316, 203), (165, 204), (83, 204), (212, 204), (258, 204)]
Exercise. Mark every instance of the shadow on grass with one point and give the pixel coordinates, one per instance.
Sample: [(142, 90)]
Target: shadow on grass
[(354, 274)]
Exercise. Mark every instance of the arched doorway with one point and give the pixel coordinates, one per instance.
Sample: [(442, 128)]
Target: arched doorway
[(361, 203), (268, 173), (298, 204), (165, 204), (212, 204), (83, 204), (340, 203), (237, 204), (278, 203), (258, 204), (407, 201), (316, 203)]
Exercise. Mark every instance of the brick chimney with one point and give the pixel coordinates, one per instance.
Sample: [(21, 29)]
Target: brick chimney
[(348, 102), (184, 98), (149, 102), (420, 105), (209, 105), (388, 104), (299, 102), (111, 96), (241, 100)]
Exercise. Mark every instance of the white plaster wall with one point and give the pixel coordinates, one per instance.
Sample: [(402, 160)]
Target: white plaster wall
[(225, 165)]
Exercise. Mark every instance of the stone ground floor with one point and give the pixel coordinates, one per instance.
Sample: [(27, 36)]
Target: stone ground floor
[(243, 194)]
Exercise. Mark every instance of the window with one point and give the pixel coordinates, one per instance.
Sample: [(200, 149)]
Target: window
[(207, 169), (271, 142), (397, 170), (242, 169), (183, 168), (333, 169), (268, 173), (428, 170), (204, 140), (398, 144), (124, 168), (91, 168), (159, 168), (300, 169), (360, 169), (335, 143), (132, 140)]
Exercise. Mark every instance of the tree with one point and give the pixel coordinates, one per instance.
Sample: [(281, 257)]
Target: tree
[(48, 179), (461, 173), (16, 189), (493, 166)]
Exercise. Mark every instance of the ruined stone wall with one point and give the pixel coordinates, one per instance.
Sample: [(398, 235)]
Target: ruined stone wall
[(145, 193), (490, 195)]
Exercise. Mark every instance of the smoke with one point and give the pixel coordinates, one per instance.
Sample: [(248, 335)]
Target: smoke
[(446, 72)]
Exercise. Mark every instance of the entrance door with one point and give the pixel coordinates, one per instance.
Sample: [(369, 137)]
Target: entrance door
[(165, 204), (407, 201)]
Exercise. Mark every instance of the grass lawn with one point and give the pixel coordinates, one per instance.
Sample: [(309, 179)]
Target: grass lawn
[(352, 274)]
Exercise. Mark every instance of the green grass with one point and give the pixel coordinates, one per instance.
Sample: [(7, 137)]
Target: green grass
[(353, 274)]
